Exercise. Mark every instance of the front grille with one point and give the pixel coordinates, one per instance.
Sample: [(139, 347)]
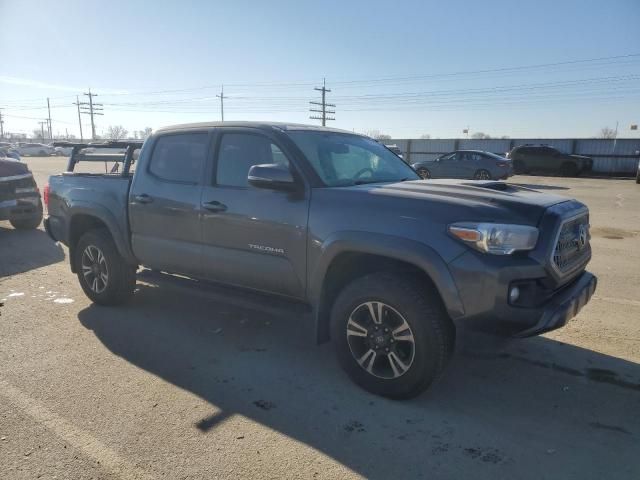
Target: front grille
[(572, 248)]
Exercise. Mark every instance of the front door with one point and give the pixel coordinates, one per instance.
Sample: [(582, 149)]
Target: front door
[(253, 237), (164, 204)]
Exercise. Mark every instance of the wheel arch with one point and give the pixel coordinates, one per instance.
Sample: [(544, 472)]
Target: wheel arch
[(89, 217), (348, 255)]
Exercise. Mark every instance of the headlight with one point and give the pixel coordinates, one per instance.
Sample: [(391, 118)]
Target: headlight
[(496, 238)]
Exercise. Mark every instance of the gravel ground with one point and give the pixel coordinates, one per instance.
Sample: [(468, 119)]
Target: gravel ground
[(183, 386)]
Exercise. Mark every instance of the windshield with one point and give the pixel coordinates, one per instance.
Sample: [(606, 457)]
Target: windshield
[(341, 159)]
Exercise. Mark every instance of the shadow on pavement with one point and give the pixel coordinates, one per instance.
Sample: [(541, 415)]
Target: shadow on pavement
[(537, 406), (24, 250)]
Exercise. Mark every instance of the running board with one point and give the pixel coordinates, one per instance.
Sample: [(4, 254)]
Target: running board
[(234, 296)]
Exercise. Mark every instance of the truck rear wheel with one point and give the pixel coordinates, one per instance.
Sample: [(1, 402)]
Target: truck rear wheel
[(103, 274), (392, 335)]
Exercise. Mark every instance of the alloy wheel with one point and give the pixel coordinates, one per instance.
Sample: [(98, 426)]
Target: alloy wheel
[(380, 339), (94, 269), (483, 175), (424, 173)]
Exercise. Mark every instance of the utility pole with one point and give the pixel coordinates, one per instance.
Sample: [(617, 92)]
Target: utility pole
[(42, 124), (77, 103), (92, 109), (221, 97), (323, 104), (49, 120), (1, 125)]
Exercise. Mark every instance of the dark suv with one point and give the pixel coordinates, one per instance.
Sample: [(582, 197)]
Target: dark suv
[(547, 159)]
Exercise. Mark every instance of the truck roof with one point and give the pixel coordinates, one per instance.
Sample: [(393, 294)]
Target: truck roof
[(263, 125)]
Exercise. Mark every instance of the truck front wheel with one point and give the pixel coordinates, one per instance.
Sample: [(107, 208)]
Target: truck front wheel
[(391, 333), (103, 274)]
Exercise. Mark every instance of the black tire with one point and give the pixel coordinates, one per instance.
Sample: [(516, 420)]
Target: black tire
[(482, 174), (420, 307), (638, 178), (519, 167), (424, 173), (27, 223), (569, 169), (120, 276)]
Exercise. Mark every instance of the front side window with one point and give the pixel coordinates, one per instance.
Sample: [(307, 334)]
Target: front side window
[(238, 152), (180, 157), (341, 159)]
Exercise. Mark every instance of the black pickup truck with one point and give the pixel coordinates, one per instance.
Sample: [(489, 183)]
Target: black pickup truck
[(389, 264)]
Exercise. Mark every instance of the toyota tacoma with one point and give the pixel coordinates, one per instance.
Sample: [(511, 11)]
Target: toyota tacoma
[(389, 264)]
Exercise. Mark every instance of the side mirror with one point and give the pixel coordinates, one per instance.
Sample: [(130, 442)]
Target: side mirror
[(272, 176)]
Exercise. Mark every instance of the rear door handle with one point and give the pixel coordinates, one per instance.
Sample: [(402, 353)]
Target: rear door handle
[(214, 206), (143, 198)]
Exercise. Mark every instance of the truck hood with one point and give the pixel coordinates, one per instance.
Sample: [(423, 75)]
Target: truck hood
[(10, 168), (484, 200)]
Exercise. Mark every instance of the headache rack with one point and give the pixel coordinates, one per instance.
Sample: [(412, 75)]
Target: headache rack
[(78, 154)]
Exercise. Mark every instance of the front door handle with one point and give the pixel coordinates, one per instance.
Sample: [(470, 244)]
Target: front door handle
[(143, 198), (214, 206)]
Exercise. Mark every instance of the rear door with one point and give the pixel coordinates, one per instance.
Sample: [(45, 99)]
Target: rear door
[(164, 203), (253, 237), (445, 166), (467, 164)]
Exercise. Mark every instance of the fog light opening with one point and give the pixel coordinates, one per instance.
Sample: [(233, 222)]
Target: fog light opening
[(514, 294)]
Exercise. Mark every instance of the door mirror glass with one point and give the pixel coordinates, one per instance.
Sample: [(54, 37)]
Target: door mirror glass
[(271, 175)]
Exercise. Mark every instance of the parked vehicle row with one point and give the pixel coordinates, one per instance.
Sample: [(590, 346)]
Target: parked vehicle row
[(386, 263), (482, 165)]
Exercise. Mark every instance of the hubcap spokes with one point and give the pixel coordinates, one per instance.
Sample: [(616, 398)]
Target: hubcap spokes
[(380, 340), (94, 269)]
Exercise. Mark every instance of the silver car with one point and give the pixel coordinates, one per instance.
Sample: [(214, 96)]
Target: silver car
[(472, 164)]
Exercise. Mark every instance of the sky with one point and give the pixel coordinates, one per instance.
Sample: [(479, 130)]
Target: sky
[(536, 69)]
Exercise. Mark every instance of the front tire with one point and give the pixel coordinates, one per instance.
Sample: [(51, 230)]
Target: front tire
[(104, 275), (424, 173), (391, 334), (569, 169)]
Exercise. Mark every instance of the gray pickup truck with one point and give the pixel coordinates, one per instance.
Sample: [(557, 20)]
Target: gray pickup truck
[(388, 264)]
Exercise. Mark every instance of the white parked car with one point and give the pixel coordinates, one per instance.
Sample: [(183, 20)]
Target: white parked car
[(63, 151), (35, 149)]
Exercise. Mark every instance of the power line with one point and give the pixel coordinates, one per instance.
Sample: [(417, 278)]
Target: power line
[(323, 104)]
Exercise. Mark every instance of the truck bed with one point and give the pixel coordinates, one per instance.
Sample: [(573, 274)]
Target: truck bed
[(108, 192)]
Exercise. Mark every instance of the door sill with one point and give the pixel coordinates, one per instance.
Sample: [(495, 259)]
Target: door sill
[(229, 295)]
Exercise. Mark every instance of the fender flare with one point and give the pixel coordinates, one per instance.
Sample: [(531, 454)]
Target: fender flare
[(101, 213), (416, 253)]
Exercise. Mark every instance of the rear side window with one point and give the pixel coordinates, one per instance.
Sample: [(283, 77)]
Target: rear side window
[(239, 152), (179, 158)]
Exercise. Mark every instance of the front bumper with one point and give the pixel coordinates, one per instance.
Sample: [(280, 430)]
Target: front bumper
[(563, 306), (484, 281)]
